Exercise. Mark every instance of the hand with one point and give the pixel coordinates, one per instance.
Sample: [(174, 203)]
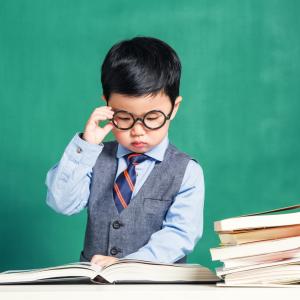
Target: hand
[(92, 132), (103, 260)]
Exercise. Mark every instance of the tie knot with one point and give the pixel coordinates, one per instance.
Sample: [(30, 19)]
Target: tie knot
[(135, 158)]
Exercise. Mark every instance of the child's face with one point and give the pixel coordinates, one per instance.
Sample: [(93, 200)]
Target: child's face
[(139, 106)]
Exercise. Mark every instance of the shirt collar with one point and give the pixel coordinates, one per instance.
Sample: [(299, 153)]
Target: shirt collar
[(156, 152)]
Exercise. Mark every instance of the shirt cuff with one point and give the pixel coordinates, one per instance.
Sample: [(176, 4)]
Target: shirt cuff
[(82, 151)]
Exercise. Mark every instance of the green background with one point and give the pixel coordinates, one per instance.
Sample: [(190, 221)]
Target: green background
[(239, 116)]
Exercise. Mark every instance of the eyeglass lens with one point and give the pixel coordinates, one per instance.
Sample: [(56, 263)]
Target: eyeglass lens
[(153, 119)]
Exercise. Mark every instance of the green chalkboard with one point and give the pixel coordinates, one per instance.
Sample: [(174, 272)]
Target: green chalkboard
[(239, 116)]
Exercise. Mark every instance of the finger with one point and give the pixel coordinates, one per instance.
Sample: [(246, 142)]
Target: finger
[(105, 263), (98, 256), (98, 263), (104, 114), (107, 128), (104, 109), (100, 117), (95, 258), (104, 106), (110, 262), (101, 111)]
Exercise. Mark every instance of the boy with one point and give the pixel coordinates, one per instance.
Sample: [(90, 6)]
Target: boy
[(144, 197)]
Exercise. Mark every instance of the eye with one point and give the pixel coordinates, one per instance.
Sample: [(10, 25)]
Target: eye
[(152, 118), (123, 119), (122, 116)]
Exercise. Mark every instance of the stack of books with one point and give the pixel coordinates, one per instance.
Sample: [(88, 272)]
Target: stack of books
[(259, 249)]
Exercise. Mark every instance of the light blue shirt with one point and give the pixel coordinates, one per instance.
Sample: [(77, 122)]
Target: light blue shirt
[(68, 192)]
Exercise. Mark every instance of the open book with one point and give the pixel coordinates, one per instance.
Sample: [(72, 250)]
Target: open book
[(123, 271)]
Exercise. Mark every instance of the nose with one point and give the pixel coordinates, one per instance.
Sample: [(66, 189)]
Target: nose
[(138, 129)]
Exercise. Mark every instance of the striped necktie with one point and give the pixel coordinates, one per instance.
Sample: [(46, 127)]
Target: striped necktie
[(124, 184)]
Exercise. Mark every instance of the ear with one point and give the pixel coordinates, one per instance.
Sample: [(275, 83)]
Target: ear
[(176, 107), (103, 98)]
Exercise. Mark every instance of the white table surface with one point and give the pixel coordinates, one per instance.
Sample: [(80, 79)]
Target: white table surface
[(145, 291)]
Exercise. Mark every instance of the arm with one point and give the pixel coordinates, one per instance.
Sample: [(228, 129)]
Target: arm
[(183, 224), (68, 182)]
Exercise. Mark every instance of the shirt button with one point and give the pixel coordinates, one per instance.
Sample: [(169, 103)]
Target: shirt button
[(116, 224), (114, 251), (78, 150)]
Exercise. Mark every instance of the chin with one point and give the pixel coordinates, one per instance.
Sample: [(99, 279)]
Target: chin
[(138, 149)]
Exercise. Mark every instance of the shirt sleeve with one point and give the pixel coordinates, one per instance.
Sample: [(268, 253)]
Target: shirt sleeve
[(183, 224), (68, 182)]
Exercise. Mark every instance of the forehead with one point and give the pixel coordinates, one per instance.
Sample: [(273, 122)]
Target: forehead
[(140, 105)]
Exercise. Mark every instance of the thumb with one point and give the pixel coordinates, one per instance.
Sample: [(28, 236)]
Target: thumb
[(107, 128)]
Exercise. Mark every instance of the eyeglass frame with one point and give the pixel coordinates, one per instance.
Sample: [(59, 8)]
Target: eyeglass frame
[(167, 117)]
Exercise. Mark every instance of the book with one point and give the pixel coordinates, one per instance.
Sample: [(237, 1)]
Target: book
[(260, 220), (223, 272), (122, 271), (261, 249), (260, 259), (238, 237), (283, 275), (257, 248), (260, 285)]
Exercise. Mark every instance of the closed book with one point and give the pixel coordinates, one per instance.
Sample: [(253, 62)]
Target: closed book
[(258, 234), (282, 274), (260, 220), (261, 259), (123, 271), (256, 248), (223, 272)]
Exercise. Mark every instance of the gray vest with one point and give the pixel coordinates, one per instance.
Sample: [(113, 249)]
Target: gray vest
[(114, 234)]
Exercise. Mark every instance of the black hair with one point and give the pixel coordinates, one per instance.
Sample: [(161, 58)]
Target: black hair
[(141, 66)]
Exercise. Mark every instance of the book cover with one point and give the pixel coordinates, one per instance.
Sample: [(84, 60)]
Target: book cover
[(260, 220)]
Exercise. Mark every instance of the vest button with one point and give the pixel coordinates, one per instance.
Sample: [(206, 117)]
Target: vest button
[(114, 251), (116, 224)]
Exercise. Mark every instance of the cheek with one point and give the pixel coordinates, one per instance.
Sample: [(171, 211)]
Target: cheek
[(158, 135), (119, 134), (164, 129)]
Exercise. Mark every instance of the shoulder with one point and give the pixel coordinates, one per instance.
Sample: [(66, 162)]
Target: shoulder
[(194, 169), (193, 177), (175, 151)]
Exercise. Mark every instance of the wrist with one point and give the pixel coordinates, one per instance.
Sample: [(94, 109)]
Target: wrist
[(85, 143), (84, 138)]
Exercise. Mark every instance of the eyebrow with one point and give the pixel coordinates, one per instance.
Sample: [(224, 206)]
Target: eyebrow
[(118, 109)]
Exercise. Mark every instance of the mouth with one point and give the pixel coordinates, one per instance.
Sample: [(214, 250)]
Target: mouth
[(138, 144)]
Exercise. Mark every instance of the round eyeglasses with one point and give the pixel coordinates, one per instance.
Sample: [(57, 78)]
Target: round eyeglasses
[(153, 119)]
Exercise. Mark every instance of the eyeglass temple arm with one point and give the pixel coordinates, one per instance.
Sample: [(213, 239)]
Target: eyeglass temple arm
[(169, 115)]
